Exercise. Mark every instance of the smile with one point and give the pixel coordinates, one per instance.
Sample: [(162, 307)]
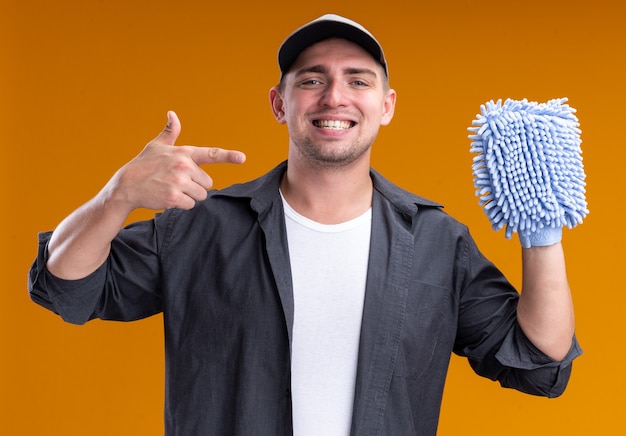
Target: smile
[(333, 124)]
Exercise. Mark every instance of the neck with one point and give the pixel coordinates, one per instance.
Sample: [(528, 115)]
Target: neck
[(328, 196)]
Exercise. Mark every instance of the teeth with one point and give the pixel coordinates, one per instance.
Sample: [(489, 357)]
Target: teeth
[(333, 124)]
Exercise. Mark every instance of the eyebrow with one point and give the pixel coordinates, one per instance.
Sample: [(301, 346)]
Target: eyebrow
[(347, 71)]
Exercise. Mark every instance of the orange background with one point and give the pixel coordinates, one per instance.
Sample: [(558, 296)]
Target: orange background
[(85, 84)]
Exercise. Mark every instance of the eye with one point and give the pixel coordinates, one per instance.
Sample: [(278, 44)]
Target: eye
[(359, 83), (310, 82)]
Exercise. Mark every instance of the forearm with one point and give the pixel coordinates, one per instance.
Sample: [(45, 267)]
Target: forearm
[(545, 310), (82, 241)]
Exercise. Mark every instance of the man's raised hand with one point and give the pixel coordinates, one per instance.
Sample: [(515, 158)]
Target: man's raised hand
[(165, 176)]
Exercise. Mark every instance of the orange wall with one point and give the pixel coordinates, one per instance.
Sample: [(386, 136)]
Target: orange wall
[(85, 84)]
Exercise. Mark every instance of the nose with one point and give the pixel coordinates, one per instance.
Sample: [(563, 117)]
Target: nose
[(333, 95)]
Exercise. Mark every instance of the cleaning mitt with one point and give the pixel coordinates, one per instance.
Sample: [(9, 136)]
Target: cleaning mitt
[(528, 170)]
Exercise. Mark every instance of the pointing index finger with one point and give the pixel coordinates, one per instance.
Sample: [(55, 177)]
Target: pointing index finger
[(211, 155)]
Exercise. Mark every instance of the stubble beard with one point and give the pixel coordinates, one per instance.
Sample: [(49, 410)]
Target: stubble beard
[(323, 158)]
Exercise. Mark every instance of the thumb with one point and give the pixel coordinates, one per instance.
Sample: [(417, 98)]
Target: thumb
[(171, 131)]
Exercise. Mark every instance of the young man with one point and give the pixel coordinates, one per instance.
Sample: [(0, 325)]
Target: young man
[(319, 298)]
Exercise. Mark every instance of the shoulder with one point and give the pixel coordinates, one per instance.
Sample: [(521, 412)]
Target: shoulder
[(421, 214), (398, 195)]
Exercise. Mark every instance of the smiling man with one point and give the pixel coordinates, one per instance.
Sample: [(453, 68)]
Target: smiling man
[(319, 299), (334, 100)]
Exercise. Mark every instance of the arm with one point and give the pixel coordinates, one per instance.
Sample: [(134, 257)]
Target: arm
[(545, 311), (162, 176), (491, 330)]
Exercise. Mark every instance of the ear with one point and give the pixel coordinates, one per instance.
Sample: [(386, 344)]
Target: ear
[(278, 105), (389, 107)]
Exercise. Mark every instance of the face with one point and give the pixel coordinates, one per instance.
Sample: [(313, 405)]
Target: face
[(333, 100)]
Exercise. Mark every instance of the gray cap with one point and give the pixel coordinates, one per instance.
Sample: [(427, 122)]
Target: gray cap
[(324, 27)]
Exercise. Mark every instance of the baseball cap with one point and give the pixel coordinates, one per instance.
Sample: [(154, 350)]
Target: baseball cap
[(324, 27)]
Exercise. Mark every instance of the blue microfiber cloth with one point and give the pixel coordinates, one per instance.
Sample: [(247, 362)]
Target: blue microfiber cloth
[(528, 171)]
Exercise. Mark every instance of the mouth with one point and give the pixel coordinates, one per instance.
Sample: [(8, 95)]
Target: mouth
[(334, 124)]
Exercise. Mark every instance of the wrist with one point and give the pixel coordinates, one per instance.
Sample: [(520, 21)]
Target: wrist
[(540, 237)]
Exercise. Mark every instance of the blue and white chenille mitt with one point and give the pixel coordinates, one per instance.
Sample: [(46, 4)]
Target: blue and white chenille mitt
[(528, 170)]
